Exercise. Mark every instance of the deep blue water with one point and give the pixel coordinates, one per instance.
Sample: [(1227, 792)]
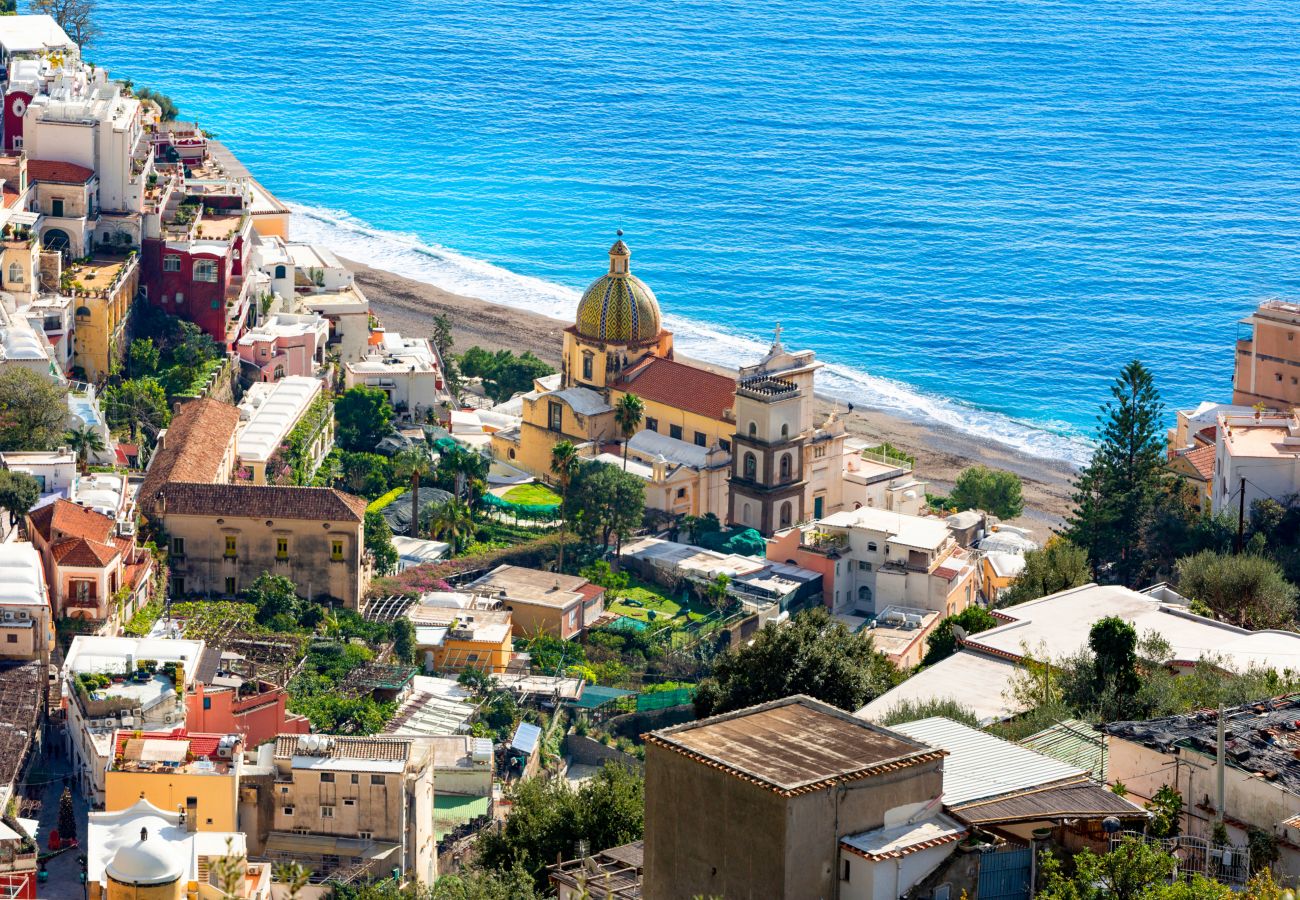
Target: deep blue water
[(976, 211)]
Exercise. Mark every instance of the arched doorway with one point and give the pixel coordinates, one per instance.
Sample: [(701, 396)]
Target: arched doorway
[(56, 239), (787, 514)]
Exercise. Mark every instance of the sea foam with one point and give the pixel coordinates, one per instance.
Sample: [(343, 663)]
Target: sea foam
[(410, 257)]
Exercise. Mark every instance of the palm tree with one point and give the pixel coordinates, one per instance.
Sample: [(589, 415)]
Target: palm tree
[(564, 461), (628, 413), (452, 522), (84, 441)]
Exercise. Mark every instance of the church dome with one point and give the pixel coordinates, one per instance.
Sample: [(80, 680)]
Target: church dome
[(147, 862), (618, 307)]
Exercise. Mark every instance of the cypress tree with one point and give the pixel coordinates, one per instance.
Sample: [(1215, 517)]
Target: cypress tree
[(1115, 495)]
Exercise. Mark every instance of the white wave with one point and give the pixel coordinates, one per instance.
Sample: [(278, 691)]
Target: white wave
[(409, 256)]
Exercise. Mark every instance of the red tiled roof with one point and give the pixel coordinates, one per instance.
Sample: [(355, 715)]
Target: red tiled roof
[(200, 744), (261, 501), (50, 170), (590, 591), (680, 386), (1202, 460), (66, 519), (193, 448), (84, 553)]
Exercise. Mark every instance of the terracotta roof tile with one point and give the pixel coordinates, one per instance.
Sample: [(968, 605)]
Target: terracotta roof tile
[(50, 170), (193, 448), (63, 518), (1202, 460), (378, 748), (84, 553), (261, 502), (681, 386), (200, 744)]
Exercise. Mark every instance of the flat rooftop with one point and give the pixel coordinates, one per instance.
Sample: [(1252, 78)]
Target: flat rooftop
[(912, 531), (793, 745), (531, 586)]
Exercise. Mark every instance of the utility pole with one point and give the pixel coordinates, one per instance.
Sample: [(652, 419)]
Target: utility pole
[(1241, 516)]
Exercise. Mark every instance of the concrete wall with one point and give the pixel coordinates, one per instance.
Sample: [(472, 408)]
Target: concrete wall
[(591, 752)]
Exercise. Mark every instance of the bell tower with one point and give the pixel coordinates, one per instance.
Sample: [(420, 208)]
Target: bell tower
[(767, 476)]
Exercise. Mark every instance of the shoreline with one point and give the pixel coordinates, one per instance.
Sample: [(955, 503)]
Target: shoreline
[(941, 452)]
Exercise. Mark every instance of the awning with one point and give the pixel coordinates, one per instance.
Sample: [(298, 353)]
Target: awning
[(1079, 800)]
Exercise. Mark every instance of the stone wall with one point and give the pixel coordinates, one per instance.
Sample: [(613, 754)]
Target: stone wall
[(590, 752)]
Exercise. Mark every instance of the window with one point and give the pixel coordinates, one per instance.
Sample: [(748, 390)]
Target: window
[(284, 790), (864, 594), (864, 566), (588, 359), (205, 270), (819, 452), (573, 619), (11, 638), (751, 466), (355, 778), (336, 550), (327, 812), (785, 466), (279, 372), (281, 548), (349, 802), (652, 423), (56, 207), (178, 586), (845, 876), (681, 493), (471, 657), (787, 514), (377, 779), (180, 296), (785, 431), (753, 429), (700, 439), (365, 835), (871, 546), (265, 352), (15, 273), (83, 591), (230, 585), (675, 432), (1277, 376), (216, 304), (171, 263), (232, 546), (725, 445), (288, 810), (178, 546), (281, 271), (327, 777), (207, 703), (555, 416)]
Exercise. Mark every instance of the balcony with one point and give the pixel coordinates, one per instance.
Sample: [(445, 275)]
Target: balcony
[(768, 388)]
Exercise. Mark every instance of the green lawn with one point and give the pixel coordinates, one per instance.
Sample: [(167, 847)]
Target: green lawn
[(534, 494), (645, 597)]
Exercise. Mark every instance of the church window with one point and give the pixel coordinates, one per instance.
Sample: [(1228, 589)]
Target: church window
[(785, 431), (819, 452), (787, 514), (753, 429), (785, 466), (675, 432), (588, 365), (652, 423), (751, 466), (700, 439), (744, 513), (555, 420), (681, 493)]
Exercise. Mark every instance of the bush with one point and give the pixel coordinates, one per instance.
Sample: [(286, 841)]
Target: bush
[(991, 490)]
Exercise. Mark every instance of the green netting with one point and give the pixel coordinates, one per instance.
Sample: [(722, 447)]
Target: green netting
[(594, 695), (746, 543), (663, 699), (523, 510)]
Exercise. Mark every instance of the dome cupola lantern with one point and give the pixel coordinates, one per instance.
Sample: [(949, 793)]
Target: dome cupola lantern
[(618, 307)]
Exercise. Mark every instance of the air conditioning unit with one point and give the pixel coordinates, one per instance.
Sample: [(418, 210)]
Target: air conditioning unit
[(9, 616), (128, 722)]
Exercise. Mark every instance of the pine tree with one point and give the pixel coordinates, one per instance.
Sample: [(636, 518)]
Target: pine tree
[(67, 817), (1116, 494)]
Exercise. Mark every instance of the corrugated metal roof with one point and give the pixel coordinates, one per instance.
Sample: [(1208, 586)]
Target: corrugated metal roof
[(980, 765), (1073, 742), (1083, 800), (526, 737)]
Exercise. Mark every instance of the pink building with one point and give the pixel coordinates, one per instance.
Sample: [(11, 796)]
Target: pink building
[(285, 344), (254, 709)]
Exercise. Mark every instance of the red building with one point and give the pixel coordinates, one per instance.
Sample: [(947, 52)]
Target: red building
[(224, 702)]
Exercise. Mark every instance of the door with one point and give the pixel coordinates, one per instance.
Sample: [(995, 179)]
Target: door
[(819, 505), (1004, 875)]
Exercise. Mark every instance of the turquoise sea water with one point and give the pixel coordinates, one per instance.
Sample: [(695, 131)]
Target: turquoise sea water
[(975, 211)]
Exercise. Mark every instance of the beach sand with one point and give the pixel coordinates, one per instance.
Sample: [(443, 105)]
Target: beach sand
[(409, 306)]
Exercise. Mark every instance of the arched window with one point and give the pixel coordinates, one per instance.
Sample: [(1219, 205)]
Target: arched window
[(785, 431), (281, 271), (787, 514), (588, 363), (15, 273), (864, 594), (753, 429), (744, 514), (751, 466), (279, 372), (857, 505), (871, 546), (785, 466)]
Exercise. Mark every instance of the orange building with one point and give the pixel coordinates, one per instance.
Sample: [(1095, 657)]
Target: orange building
[(255, 710), (453, 639)]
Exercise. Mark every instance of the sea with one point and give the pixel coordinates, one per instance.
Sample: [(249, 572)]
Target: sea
[(975, 211)]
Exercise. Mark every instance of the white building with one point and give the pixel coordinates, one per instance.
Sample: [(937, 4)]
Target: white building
[(54, 470), (26, 347), (981, 674), (26, 626), (1258, 455), (95, 710), (407, 370), (872, 478), (268, 413)]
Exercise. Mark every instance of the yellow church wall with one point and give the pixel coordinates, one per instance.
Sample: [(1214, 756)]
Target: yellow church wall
[(217, 794), (666, 416)]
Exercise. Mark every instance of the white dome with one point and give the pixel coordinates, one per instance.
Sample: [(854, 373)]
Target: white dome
[(145, 862)]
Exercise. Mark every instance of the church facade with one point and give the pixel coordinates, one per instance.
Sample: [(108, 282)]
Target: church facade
[(695, 419)]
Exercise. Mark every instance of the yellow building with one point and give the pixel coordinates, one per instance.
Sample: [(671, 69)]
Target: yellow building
[(618, 346), (196, 773), (102, 291), (453, 639)]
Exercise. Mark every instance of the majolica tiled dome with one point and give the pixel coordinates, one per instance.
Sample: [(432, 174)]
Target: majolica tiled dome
[(618, 307)]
